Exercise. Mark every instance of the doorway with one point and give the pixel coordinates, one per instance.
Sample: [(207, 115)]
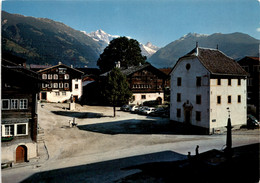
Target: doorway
[(187, 116), (21, 154), (44, 96)]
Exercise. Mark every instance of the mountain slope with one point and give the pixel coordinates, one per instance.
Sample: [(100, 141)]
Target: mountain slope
[(235, 45), (44, 41)]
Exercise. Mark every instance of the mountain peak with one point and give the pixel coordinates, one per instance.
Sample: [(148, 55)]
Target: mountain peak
[(104, 39)]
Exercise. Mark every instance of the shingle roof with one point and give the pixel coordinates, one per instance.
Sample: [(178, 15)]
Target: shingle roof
[(216, 62), (134, 69), (63, 65)]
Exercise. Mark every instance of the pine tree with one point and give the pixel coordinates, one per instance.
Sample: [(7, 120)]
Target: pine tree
[(116, 89)]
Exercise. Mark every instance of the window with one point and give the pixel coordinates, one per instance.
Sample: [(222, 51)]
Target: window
[(250, 82), (43, 85), (188, 67), (219, 81), (178, 113), (198, 99), (44, 76), (8, 130), (198, 116), (229, 99), (49, 76), (57, 93), (239, 81), (66, 85), (239, 99), (143, 96), (21, 129), (14, 103), (23, 103), (178, 97), (76, 86), (229, 82), (49, 85), (219, 99), (5, 104), (178, 81), (64, 93), (55, 85), (60, 85), (66, 76), (246, 68), (55, 76), (198, 81), (15, 129), (256, 68), (133, 98)]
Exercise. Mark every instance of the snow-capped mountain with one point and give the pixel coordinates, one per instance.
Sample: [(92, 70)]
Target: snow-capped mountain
[(101, 35), (148, 49), (104, 38)]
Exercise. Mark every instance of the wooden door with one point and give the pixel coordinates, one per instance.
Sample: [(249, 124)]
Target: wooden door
[(20, 154)]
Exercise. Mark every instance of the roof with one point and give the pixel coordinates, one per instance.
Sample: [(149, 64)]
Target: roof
[(131, 70), (22, 71), (249, 60), (63, 65), (166, 71), (216, 62)]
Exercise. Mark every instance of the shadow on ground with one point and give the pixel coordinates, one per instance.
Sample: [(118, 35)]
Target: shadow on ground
[(209, 167), (134, 126), (79, 114), (107, 171)]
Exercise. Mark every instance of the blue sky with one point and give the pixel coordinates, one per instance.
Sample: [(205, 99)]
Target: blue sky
[(157, 21)]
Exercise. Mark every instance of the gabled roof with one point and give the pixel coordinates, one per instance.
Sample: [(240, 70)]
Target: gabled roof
[(215, 61), (63, 65), (131, 70), (249, 60)]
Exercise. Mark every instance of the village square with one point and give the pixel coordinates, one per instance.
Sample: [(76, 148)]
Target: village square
[(93, 107)]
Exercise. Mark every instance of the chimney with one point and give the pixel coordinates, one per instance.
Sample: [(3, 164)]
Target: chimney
[(197, 48), (71, 66), (217, 46), (59, 63), (118, 65)]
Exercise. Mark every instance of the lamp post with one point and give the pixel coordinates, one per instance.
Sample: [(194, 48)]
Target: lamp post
[(228, 149)]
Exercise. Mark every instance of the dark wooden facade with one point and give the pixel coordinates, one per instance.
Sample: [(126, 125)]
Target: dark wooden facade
[(19, 105), (252, 66), (146, 80)]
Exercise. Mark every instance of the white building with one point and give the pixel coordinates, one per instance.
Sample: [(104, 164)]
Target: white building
[(205, 83), (64, 83)]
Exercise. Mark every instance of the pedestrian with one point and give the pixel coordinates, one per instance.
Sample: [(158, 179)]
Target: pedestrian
[(189, 156), (197, 150)]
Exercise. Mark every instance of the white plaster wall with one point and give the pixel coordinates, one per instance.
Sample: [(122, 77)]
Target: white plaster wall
[(219, 112), (52, 97), (149, 97), (9, 153), (78, 91), (189, 90)]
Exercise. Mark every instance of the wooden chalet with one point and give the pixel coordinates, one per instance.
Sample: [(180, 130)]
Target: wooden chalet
[(64, 83), (19, 111)]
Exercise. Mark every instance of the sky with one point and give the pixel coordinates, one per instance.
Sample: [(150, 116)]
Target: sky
[(157, 21)]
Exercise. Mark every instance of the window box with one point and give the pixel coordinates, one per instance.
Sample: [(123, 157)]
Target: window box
[(7, 139)]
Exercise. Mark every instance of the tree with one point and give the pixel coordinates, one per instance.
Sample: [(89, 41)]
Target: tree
[(122, 49), (116, 89)]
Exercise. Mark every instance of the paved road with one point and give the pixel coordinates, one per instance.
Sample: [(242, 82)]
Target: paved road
[(109, 153)]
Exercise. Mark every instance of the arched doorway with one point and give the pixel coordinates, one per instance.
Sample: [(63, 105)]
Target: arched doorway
[(187, 106), (21, 154), (159, 100)]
